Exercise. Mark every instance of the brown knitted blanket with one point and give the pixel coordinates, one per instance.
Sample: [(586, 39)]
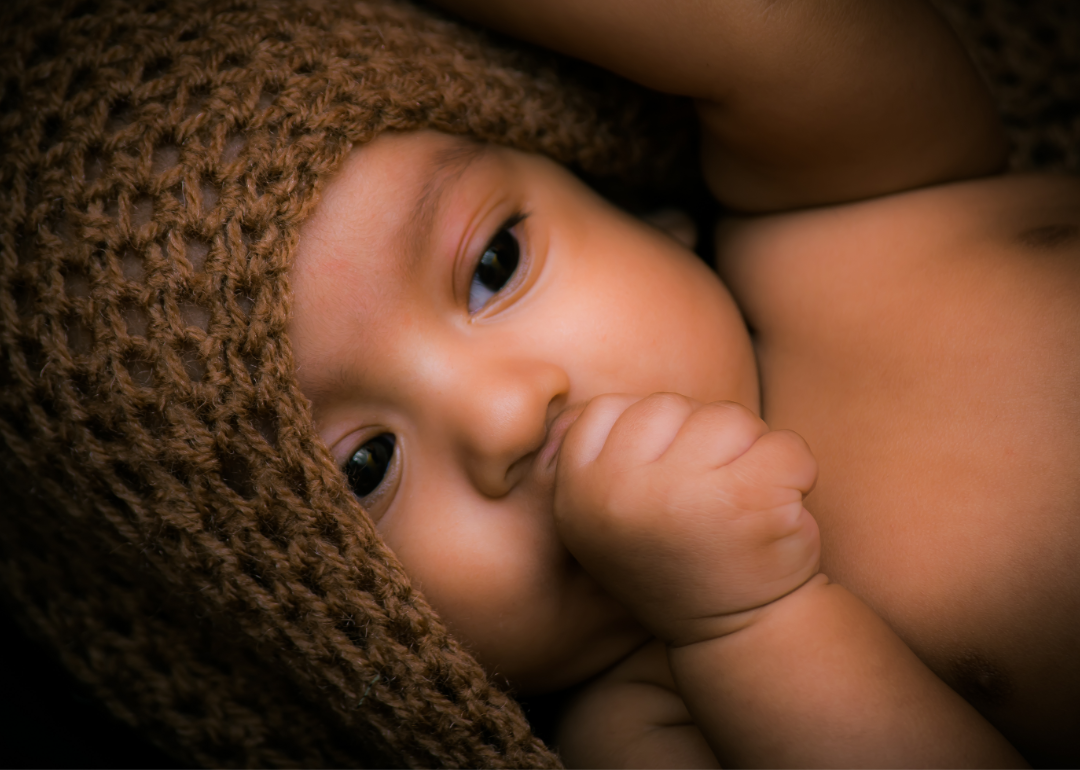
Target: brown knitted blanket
[(1029, 54)]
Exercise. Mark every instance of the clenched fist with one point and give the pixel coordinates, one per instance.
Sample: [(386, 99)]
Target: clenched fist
[(688, 513)]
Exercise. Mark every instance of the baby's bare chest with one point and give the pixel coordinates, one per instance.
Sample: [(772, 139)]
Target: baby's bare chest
[(928, 349)]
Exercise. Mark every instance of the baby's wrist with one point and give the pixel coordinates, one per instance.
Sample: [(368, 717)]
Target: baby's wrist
[(708, 629)]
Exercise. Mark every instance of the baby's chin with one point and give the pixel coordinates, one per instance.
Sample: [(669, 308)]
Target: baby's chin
[(550, 671)]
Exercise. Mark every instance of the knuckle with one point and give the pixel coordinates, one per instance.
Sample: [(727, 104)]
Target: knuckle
[(663, 407), (720, 432), (669, 399), (784, 446), (782, 458), (603, 409), (796, 452), (648, 427), (610, 401), (734, 418), (587, 437)]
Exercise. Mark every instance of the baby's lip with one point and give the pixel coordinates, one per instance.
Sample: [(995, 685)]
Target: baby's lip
[(556, 432)]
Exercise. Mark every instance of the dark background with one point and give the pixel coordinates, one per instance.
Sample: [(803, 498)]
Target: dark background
[(47, 719)]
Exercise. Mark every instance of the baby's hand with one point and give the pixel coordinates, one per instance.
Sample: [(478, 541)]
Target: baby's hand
[(688, 513)]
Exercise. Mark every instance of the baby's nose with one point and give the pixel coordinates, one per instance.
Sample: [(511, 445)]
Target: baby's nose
[(500, 420)]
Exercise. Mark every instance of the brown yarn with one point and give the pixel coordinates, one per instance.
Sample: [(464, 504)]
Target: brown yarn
[(172, 523), (1029, 54)]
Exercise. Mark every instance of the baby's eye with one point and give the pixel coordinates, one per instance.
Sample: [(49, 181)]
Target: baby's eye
[(496, 266), (367, 467)]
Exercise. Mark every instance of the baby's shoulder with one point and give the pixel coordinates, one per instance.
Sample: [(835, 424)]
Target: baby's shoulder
[(825, 252), (632, 716)]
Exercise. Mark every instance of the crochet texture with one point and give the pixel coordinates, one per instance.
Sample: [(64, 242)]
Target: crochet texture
[(171, 521)]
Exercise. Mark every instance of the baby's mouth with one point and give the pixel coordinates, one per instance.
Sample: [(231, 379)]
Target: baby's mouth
[(549, 452)]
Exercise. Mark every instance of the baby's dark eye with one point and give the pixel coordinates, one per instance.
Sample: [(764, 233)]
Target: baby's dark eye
[(496, 266), (367, 467)]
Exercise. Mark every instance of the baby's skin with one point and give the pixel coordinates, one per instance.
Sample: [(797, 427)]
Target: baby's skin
[(554, 413), (927, 345)]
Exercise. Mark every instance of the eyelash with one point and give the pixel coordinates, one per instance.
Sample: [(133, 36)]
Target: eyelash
[(480, 293)]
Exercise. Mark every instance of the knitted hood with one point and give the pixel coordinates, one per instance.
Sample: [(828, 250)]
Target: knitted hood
[(171, 522)]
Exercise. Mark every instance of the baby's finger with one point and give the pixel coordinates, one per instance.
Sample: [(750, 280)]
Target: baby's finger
[(645, 430), (714, 435), (586, 437), (780, 459)]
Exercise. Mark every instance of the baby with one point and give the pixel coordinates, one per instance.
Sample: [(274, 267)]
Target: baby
[(843, 536), (554, 413)]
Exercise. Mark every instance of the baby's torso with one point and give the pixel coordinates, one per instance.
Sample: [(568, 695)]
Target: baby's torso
[(927, 347)]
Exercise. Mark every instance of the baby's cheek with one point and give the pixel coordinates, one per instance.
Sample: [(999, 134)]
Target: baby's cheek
[(670, 325), (488, 571)]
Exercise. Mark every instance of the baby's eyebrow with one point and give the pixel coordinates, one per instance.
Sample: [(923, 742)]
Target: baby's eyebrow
[(448, 166), (319, 390)]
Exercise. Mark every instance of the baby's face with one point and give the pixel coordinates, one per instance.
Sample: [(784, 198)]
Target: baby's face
[(454, 306)]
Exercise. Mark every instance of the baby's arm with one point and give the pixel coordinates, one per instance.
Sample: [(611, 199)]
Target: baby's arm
[(692, 516), (802, 102)]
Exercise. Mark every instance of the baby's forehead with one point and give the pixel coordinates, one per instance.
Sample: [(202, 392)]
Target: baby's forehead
[(453, 154), (411, 170), (399, 198), (427, 159)]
